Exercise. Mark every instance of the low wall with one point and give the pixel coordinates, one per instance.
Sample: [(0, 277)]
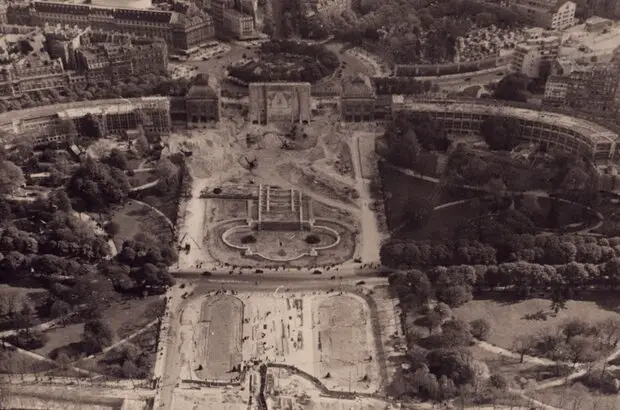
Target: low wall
[(430, 70)]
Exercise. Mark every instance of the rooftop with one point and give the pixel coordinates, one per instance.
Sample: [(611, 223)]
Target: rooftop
[(596, 132), (58, 109)]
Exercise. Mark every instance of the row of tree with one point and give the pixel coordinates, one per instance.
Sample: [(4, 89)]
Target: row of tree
[(542, 249)]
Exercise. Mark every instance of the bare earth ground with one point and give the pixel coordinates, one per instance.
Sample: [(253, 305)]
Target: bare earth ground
[(221, 154), (218, 339), (284, 328), (294, 392), (342, 347), (209, 399)]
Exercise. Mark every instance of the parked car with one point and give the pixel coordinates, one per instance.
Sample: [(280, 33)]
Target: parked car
[(316, 272)]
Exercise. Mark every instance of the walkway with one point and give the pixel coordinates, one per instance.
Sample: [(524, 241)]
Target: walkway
[(371, 237), (157, 211), (144, 186), (41, 327)]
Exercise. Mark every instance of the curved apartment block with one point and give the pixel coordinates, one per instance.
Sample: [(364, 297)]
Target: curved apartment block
[(555, 130)]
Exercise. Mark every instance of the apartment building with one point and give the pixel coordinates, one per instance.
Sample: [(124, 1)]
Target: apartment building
[(541, 47), (548, 14), (602, 8), (239, 24), (102, 61), (591, 88), (553, 130), (49, 123), (32, 74), (234, 19), (182, 32)]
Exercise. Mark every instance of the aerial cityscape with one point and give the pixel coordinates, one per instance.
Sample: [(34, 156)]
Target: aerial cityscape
[(310, 204)]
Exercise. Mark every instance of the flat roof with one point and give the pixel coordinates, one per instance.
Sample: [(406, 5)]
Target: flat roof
[(596, 132), (49, 110)]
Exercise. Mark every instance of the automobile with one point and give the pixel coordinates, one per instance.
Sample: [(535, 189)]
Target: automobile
[(205, 58), (468, 79), (357, 260), (501, 73), (360, 283), (219, 57), (258, 271), (333, 277), (316, 272)]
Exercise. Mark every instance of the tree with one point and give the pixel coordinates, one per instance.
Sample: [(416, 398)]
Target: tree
[(455, 333), (512, 87), (582, 350), (455, 364), (575, 327), (98, 185), (141, 144), (11, 177), (117, 159), (63, 361), (500, 133), (523, 345), (112, 228), (129, 370), (168, 175), (433, 321), (60, 200), (425, 383), (480, 329), (97, 335), (59, 308), (454, 295)]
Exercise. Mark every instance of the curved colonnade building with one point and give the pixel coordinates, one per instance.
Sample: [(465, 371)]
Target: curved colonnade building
[(554, 130), (557, 131)]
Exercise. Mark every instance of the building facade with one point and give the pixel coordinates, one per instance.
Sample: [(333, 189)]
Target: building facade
[(31, 74), (593, 88), (357, 101), (552, 130), (104, 61), (239, 24), (540, 48), (548, 14), (49, 123), (181, 32), (279, 102)]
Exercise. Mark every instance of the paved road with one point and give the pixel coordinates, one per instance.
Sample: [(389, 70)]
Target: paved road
[(481, 78), (271, 275)]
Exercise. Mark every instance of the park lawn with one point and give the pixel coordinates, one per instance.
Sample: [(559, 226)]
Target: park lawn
[(131, 315), (14, 362), (61, 337), (404, 193), (576, 396), (133, 217), (508, 322), (36, 297), (509, 367), (124, 317), (105, 363)]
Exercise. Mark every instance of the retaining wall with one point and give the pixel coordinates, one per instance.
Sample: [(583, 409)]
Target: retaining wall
[(429, 70)]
